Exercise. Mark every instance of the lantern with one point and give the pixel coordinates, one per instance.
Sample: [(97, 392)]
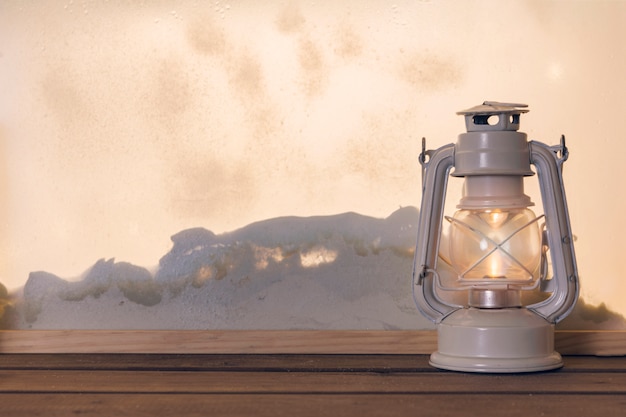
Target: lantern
[(474, 277)]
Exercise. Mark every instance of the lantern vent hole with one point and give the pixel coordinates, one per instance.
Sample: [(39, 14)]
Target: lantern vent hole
[(486, 119)]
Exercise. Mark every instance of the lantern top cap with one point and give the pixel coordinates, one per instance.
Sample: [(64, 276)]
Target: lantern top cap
[(493, 116), (495, 107)]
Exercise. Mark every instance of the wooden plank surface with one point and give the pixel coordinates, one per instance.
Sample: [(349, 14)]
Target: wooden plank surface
[(216, 341), (302, 385), (290, 405), (171, 382), (263, 363), (271, 341)]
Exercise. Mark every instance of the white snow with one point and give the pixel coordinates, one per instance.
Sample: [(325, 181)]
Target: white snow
[(346, 271)]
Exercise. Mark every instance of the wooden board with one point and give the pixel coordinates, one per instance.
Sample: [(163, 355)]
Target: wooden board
[(603, 343), (302, 385)]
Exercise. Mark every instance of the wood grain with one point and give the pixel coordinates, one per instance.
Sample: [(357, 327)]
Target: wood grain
[(216, 341), (305, 405), (208, 382), (302, 385), (602, 343)]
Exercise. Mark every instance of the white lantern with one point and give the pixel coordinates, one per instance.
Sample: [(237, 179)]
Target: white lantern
[(496, 248)]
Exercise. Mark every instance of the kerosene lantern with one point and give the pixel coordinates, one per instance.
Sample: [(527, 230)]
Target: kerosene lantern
[(495, 253)]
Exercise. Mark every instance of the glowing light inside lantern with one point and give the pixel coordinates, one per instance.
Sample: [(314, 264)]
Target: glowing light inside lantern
[(488, 244)]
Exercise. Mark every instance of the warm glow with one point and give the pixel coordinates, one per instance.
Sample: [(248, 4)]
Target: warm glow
[(122, 123), (496, 269), (495, 219), (486, 244), (263, 256), (317, 256)]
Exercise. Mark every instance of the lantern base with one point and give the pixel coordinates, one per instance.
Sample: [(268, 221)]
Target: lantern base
[(508, 340)]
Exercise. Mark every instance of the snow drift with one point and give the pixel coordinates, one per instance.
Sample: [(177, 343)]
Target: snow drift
[(345, 271)]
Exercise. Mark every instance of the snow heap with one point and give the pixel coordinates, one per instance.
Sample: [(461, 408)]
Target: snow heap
[(346, 271)]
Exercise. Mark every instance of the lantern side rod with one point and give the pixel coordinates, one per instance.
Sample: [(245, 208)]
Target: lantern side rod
[(560, 238), (434, 182)]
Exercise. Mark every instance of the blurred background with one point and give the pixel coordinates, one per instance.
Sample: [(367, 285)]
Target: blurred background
[(122, 123)]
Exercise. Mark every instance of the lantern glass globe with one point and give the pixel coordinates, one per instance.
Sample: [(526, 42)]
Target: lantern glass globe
[(495, 246)]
